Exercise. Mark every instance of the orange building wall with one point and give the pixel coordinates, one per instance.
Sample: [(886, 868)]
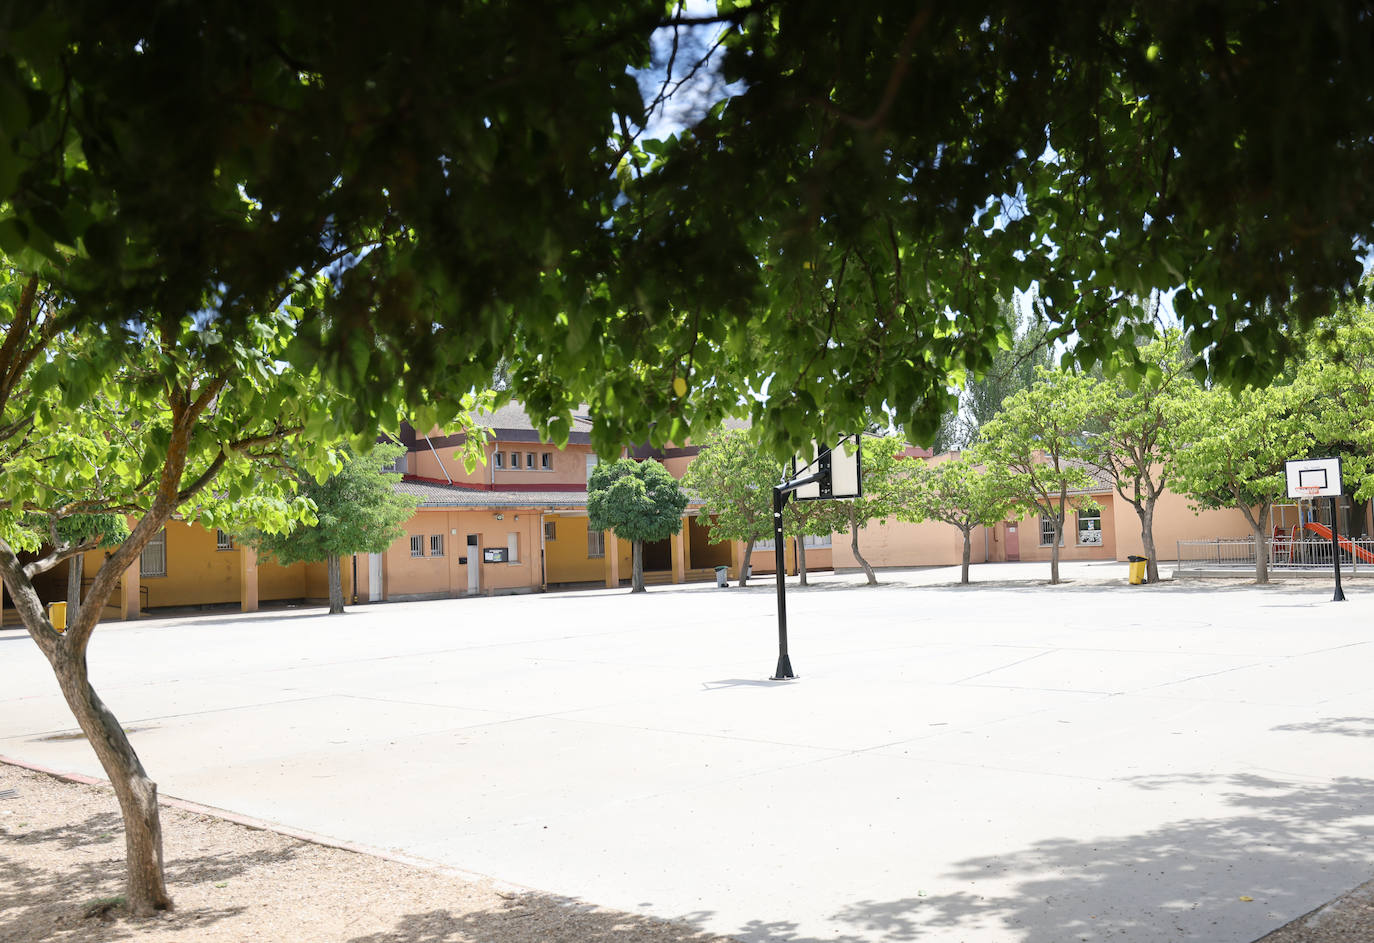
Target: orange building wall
[(1029, 533), (407, 576), (899, 543), (1174, 520)]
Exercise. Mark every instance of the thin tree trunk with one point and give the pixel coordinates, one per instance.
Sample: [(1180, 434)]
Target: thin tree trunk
[(1262, 546), (801, 560), (744, 567), (968, 554), (336, 593), (1054, 547), (854, 547), (146, 891), (1147, 539), (75, 571), (637, 569)]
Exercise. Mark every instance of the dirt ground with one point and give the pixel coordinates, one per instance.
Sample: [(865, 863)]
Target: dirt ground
[(62, 862)]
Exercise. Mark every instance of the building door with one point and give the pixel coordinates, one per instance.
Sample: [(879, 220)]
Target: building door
[(474, 565), (374, 577), (1011, 541)]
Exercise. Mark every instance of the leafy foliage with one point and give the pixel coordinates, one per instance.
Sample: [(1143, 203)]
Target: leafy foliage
[(734, 478), (960, 494), (639, 501)]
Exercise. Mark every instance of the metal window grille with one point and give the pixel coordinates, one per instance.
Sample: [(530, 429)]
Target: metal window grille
[(1090, 528), (546, 461), (596, 544), (223, 541), (153, 561), (417, 545), (550, 531), (436, 545)]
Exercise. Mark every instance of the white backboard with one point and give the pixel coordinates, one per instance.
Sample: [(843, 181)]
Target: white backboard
[(1303, 474), (841, 469)]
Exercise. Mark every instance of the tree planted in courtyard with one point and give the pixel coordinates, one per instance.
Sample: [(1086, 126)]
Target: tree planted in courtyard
[(734, 478), (639, 501), (1038, 446), (886, 473), (963, 495), (357, 510)]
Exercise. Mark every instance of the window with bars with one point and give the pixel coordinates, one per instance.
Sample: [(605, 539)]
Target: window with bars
[(417, 545), (498, 459), (1047, 532), (550, 531), (153, 561), (1090, 528), (223, 541), (816, 542), (596, 544), (436, 545)]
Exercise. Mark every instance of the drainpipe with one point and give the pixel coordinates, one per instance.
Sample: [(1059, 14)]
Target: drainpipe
[(438, 459)]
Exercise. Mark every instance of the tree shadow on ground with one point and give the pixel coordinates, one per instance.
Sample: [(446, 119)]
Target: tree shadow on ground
[(1343, 726), (543, 917), (1289, 848), (63, 896)]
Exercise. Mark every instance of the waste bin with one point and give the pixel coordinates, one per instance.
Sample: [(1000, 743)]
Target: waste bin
[(57, 615), (722, 576), (1137, 569)]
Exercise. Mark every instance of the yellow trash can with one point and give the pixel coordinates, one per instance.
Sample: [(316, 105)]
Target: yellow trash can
[(1137, 569), (57, 615)]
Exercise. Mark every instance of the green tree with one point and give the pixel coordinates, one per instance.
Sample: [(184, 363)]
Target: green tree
[(1137, 422), (162, 416), (873, 181), (1335, 381), (960, 494), (640, 501), (734, 478), (1037, 445), (356, 511), (1235, 453)]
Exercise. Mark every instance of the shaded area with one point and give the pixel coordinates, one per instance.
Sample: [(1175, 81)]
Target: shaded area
[(1343, 726), (543, 917), (1288, 848)]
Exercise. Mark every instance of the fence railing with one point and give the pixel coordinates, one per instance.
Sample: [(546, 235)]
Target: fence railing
[(1283, 554)]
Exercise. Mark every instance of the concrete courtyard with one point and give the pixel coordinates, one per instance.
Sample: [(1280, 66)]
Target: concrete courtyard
[(1004, 762)]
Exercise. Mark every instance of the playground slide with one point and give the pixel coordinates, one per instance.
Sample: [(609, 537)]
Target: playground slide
[(1324, 532)]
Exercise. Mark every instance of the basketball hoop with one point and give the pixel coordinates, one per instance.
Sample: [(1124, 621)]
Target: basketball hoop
[(1307, 491)]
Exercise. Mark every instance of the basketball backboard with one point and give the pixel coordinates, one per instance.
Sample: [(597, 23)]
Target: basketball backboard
[(1306, 474), (840, 469)]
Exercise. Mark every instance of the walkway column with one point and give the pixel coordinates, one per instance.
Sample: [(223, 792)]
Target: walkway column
[(129, 599), (611, 547), (679, 555), (736, 557), (248, 581)]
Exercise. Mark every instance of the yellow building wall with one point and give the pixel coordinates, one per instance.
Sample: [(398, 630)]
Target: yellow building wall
[(701, 552), (900, 543), (565, 557)]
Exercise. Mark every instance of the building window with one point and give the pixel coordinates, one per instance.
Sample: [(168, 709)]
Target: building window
[(498, 459), (550, 532), (417, 545), (596, 544), (223, 541), (402, 464), (513, 548), (1090, 528), (768, 545), (515, 461), (818, 543), (153, 562), (546, 461), (592, 461), (436, 545), (529, 460), (1047, 531)]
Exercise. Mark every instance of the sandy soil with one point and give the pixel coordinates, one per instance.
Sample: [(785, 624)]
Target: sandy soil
[(62, 860)]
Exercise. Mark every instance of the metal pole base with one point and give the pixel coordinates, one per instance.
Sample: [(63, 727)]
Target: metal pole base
[(1339, 595), (784, 672)]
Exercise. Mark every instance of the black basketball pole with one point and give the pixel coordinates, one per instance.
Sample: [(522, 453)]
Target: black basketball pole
[(784, 672), (1336, 553)]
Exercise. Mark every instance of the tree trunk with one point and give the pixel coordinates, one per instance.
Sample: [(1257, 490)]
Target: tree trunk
[(854, 547), (146, 892), (801, 561), (75, 571), (968, 554), (1054, 547), (1261, 529), (336, 593), (637, 568), (744, 567), (1147, 539)]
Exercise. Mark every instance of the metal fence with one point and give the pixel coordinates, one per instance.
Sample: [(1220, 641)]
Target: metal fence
[(1238, 553)]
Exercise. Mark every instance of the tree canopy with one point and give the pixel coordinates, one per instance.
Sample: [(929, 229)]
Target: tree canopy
[(734, 480), (639, 501), (873, 178)]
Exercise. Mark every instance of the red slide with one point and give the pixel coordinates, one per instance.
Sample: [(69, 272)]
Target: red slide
[(1324, 532)]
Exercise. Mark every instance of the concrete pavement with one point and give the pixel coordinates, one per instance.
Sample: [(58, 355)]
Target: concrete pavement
[(1007, 761)]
